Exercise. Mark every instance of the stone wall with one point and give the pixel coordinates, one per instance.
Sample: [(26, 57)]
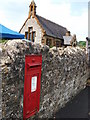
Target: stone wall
[(0, 88), (64, 74)]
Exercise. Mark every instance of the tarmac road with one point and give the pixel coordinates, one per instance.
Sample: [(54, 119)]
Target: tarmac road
[(78, 108)]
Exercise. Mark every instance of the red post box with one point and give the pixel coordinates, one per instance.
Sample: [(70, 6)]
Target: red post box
[(32, 85)]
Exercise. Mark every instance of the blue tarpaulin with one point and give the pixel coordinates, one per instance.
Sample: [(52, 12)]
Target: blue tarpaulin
[(6, 33)]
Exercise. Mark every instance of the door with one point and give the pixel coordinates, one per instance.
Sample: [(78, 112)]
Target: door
[(31, 94)]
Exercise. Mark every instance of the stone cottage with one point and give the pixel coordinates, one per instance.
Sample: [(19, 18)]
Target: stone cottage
[(42, 31)]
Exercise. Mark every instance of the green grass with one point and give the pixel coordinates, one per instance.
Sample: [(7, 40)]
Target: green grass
[(3, 41)]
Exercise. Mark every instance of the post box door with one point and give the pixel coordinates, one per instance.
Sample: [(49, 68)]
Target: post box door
[(32, 94)]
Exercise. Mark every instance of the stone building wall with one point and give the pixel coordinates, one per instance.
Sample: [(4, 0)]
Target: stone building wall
[(64, 74), (51, 41), (33, 23)]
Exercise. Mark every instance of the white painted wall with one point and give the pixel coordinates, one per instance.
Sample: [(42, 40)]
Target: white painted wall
[(33, 23)]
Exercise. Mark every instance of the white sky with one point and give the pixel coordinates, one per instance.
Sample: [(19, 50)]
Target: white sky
[(72, 14)]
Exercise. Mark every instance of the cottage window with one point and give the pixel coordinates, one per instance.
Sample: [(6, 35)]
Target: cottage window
[(31, 29), (30, 36), (26, 35), (48, 42), (33, 36)]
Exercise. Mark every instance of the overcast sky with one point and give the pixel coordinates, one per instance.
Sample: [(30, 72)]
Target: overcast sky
[(72, 14)]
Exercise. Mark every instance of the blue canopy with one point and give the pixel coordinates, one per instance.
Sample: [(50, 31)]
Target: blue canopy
[(6, 33)]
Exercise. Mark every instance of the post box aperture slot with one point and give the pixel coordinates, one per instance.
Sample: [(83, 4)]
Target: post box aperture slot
[(33, 65)]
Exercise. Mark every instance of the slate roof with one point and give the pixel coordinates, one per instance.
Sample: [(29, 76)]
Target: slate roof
[(51, 28)]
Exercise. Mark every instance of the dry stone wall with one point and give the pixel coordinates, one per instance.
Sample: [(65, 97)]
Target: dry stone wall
[(64, 74)]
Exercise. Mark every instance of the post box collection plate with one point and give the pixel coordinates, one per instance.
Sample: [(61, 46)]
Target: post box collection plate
[(32, 82)]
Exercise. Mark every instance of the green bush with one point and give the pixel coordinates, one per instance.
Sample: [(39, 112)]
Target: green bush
[(82, 43)]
